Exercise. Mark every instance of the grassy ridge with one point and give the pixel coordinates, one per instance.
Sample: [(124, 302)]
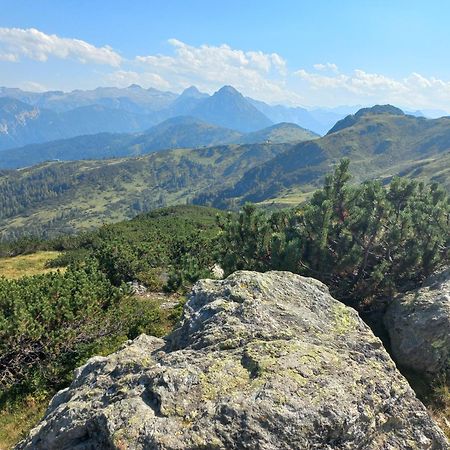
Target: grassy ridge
[(65, 197), (378, 146)]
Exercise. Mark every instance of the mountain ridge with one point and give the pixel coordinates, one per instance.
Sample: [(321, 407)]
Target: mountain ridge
[(161, 105), (177, 132), (67, 196), (379, 145)]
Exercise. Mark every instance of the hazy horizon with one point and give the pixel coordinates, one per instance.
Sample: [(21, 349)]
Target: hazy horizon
[(343, 109), (311, 54)]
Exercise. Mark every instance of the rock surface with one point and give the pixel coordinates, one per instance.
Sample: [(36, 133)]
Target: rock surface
[(418, 324), (260, 361)]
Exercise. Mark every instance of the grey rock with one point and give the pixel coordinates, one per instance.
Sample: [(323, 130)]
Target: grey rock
[(260, 361), (418, 324), (137, 288)]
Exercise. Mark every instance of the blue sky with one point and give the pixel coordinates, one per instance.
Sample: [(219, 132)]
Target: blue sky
[(310, 53)]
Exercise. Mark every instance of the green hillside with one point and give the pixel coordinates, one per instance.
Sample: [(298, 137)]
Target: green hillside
[(178, 132), (380, 143), (60, 197), (281, 132)]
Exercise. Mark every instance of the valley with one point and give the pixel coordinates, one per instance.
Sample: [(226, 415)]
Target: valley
[(59, 197)]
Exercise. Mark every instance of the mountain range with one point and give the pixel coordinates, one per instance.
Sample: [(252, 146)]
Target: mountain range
[(177, 132), (381, 142), (32, 118), (22, 124)]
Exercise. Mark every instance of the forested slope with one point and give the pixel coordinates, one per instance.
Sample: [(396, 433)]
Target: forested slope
[(60, 197)]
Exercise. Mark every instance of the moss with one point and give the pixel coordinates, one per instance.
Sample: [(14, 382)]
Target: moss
[(439, 343), (344, 322), (295, 376), (223, 378), (284, 358)]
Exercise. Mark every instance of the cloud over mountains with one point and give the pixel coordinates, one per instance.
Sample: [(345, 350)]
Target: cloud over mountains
[(16, 43), (263, 75)]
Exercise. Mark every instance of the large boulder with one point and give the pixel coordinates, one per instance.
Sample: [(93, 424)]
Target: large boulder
[(260, 361), (418, 324)]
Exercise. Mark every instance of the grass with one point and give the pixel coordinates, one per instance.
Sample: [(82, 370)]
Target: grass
[(439, 406), (16, 421), (288, 199), (434, 395), (27, 265)]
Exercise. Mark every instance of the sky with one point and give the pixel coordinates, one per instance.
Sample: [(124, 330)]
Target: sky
[(308, 53)]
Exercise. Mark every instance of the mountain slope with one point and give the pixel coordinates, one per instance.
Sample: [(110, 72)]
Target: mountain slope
[(55, 197), (22, 124), (280, 132), (178, 132), (228, 108), (185, 103), (318, 120), (353, 119), (185, 132), (66, 196), (380, 143)]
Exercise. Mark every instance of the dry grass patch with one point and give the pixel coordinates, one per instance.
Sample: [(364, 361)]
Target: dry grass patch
[(16, 422), (27, 265), (440, 409)]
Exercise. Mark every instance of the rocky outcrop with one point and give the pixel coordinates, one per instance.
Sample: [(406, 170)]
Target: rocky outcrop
[(260, 361), (419, 327)]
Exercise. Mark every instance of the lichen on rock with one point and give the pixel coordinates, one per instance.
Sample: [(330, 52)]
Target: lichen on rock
[(259, 361)]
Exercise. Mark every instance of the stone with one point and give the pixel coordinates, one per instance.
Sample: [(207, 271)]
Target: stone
[(259, 361), (137, 288), (418, 324)]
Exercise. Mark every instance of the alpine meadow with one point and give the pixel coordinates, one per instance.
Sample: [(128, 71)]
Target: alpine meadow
[(224, 226)]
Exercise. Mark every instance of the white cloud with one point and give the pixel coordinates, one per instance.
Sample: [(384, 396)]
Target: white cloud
[(263, 76), (327, 67), (16, 43), (255, 73), (414, 91), (8, 57)]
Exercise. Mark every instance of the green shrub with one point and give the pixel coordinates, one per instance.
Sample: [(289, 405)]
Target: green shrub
[(46, 319), (363, 241)]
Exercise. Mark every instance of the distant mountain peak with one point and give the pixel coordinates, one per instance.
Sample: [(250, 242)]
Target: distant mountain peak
[(134, 86), (192, 92), (229, 90), (228, 108), (380, 109), (352, 119)]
